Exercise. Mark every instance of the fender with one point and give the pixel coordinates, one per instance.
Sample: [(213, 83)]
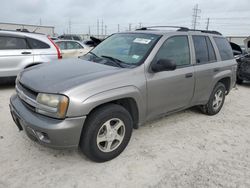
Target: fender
[(107, 96)]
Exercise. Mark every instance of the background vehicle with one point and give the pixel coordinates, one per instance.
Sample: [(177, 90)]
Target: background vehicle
[(71, 48), (19, 50), (243, 71), (137, 76), (70, 37)]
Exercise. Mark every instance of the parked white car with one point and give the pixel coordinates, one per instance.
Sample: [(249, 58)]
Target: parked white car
[(19, 50), (72, 48)]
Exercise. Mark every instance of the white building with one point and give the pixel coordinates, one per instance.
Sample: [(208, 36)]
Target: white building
[(48, 30)]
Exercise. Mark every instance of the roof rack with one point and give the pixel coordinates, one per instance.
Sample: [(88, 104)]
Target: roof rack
[(180, 28), (152, 27)]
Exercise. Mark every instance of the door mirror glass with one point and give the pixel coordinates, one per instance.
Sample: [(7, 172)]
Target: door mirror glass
[(163, 65)]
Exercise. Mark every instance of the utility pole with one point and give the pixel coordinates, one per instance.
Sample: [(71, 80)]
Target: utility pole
[(208, 21), (105, 31), (97, 27), (129, 27), (196, 12), (40, 21), (69, 26), (118, 28), (102, 27), (89, 30), (140, 25)]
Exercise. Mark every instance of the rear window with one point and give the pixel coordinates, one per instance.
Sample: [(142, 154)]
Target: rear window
[(12, 43), (224, 47), (37, 44)]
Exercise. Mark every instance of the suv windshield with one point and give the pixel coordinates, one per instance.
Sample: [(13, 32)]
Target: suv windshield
[(127, 49)]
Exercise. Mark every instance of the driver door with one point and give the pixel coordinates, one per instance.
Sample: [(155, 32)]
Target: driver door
[(171, 90)]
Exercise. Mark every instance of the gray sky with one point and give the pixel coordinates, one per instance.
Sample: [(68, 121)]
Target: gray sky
[(227, 16)]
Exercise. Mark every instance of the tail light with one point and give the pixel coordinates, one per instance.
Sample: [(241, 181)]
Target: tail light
[(59, 55)]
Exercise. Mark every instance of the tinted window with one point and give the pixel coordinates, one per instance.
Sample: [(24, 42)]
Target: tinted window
[(224, 47), (176, 49), (211, 53), (201, 50), (37, 44), (73, 45), (13, 43)]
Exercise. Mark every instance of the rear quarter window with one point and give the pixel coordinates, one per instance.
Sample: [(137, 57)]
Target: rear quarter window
[(37, 44), (224, 48)]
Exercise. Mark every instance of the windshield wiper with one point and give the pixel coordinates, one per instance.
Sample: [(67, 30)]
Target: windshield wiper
[(114, 60), (92, 53)]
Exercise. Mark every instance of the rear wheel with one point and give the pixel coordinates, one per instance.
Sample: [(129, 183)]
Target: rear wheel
[(216, 100), (106, 133)]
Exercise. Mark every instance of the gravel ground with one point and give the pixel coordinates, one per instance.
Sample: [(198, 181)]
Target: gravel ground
[(186, 149)]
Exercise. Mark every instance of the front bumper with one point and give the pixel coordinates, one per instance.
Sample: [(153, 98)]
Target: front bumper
[(47, 131)]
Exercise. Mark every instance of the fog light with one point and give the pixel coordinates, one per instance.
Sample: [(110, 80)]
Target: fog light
[(43, 137)]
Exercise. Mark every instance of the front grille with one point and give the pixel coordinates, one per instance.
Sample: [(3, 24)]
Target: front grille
[(27, 96), (27, 90)]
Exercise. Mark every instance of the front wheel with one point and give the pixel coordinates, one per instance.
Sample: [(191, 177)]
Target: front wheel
[(216, 100), (106, 133)]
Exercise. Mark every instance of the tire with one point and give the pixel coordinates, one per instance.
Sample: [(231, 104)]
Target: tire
[(106, 133), (211, 108)]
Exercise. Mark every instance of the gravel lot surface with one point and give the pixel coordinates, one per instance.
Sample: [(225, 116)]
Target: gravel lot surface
[(186, 149)]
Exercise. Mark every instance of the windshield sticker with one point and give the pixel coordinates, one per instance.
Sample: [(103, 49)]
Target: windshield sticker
[(135, 56), (142, 41)]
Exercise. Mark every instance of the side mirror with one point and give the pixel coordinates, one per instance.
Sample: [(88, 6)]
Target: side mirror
[(163, 65)]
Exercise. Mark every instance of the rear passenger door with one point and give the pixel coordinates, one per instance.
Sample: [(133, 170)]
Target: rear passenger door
[(205, 67), (14, 55), (171, 90), (42, 51)]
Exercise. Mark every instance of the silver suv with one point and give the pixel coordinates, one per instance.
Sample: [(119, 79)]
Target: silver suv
[(19, 50), (130, 78)]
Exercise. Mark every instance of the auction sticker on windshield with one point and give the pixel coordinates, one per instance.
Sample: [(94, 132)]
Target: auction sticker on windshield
[(142, 41)]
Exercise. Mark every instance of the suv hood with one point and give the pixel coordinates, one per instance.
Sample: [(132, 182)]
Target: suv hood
[(60, 76)]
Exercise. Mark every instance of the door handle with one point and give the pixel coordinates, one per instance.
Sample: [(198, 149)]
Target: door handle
[(26, 53), (189, 75), (216, 70)]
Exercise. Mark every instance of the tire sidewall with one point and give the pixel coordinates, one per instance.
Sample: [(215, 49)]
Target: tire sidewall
[(91, 135), (211, 109)]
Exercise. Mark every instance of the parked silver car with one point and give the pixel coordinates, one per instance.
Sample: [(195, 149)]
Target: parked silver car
[(128, 79), (19, 50)]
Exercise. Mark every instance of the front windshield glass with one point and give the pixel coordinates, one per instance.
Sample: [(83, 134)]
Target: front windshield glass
[(127, 49)]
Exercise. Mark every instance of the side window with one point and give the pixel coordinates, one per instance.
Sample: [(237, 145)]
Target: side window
[(211, 52), (12, 43), (73, 45), (61, 45), (224, 47), (204, 51), (177, 49), (37, 44)]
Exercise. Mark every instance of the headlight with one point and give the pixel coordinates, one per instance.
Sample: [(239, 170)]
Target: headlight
[(52, 105)]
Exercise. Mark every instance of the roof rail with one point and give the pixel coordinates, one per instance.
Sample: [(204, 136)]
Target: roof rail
[(203, 31), (152, 27), (180, 28), (20, 30)]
